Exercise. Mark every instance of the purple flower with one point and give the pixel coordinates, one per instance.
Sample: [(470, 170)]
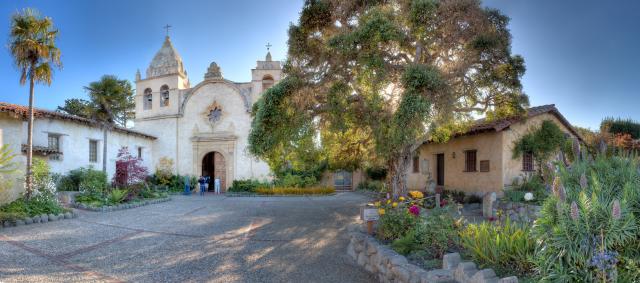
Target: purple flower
[(415, 210)]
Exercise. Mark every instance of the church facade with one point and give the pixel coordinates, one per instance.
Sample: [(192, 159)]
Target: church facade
[(203, 128)]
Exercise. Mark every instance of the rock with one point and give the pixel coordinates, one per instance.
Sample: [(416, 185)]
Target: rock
[(362, 259), (450, 261), (28, 220), (485, 275), (19, 222), (371, 247), (352, 252), (465, 271), (401, 273), (488, 201), (398, 260), (438, 275), (6, 224), (68, 215), (44, 218), (53, 217), (511, 279), (35, 219)]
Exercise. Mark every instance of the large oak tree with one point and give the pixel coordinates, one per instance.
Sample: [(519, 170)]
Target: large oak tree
[(376, 79)]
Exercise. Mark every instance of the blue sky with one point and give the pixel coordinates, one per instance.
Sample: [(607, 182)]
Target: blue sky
[(580, 55)]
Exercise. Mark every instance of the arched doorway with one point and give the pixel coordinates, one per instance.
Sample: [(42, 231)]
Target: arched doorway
[(213, 165)]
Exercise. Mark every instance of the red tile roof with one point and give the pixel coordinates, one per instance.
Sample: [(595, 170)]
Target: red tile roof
[(482, 125), (21, 112)]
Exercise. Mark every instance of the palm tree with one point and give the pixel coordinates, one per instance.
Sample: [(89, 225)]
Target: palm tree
[(32, 44), (111, 99)]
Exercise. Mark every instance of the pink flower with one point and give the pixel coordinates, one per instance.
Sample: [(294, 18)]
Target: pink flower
[(415, 210)]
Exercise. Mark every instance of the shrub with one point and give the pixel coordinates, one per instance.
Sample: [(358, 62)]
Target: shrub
[(164, 171), (117, 196), (376, 173), (504, 247), (295, 191), (436, 234), (374, 186), (129, 169), (32, 207), (395, 224), (248, 185), (590, 213), (83, 179), (291, 180), (533, 184)]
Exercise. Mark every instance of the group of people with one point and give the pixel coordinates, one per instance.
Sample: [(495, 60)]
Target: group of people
[(204, 184)]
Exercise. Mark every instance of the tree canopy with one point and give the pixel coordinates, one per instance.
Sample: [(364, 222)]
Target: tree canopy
[(369, 81), (110, 101)]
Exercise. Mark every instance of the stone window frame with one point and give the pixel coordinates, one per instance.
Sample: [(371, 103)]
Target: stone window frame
[(53, 143), (267, 82)]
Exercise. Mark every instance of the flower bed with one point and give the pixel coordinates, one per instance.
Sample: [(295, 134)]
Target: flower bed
[(121, 206), (390, 266)]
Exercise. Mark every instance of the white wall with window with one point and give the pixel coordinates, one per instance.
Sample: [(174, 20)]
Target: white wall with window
[(80, 145)]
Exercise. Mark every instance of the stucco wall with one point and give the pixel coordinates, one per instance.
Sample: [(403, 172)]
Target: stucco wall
[(73, 142), (488, 146), (513, 167)]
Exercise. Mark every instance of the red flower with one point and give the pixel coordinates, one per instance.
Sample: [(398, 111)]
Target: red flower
[(415, 210)]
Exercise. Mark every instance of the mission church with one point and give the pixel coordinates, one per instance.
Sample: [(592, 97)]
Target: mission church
[(202, 128)]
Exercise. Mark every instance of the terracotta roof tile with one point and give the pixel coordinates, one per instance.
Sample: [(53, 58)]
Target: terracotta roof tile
[(482, 125), (21, 112)]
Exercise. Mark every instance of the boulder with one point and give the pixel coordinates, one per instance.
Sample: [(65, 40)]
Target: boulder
[(450, 261)]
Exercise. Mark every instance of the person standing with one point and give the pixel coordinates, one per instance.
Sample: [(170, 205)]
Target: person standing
[(216, 185)]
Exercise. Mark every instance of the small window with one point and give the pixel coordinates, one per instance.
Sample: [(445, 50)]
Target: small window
[(267, 82), (484, 165), (527, 161), (93, 151), (470, 160), (164, 96), (416, 164), (139, 152), (148, 99), (54, 142)]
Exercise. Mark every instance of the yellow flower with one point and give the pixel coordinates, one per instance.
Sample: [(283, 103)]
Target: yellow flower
[(377, 204), (388, 201), (401, 198), (381, 211), (416, 194), (394, 204)]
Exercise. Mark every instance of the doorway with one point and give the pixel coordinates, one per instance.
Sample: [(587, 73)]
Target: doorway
[(440, 169), (213, 166)]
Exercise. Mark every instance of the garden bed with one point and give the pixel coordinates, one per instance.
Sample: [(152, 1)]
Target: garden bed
[(42, 218), (108, 208), (389, 266)]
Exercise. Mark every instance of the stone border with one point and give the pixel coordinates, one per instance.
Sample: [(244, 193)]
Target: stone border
[(120, 206), (390, 266), (42, 218)]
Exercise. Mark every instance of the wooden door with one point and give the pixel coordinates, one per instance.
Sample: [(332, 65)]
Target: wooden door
[(220, 170), (440, 169)]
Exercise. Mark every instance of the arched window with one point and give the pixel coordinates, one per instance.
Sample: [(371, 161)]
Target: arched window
[(267, 82), (148, 99), (164, 96)]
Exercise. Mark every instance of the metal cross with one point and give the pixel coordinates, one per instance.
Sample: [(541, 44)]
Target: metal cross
[(167, 27), (268, 46)]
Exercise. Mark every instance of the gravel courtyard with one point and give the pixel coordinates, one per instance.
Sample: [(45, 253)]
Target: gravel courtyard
[(191, 239)]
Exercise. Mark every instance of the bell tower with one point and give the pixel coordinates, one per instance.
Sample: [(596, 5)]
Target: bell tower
[(158, 94), (265, 75)]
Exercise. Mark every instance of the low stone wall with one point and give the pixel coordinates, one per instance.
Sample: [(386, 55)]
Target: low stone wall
[(517, 211), (39, 219), (390, 266), (120, 206)]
